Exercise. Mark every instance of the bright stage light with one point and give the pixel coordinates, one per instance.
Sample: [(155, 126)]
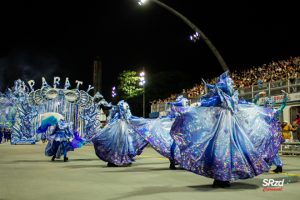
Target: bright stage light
[(142, 2)]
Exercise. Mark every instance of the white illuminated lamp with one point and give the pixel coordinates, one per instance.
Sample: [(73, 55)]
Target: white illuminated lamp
[(142, 83), (195, 37), (142, 79), (142, 2), (113, 92)]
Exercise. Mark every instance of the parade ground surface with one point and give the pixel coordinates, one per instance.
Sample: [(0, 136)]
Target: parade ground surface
[(25, 173)]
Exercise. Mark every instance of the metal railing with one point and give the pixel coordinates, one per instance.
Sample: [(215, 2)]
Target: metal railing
[(271, 89), (290, 148)]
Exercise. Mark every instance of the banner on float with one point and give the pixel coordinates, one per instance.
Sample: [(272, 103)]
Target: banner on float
[(279, 98)]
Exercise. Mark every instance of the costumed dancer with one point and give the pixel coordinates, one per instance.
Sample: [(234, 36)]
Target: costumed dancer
[(59, 141), (6, 134), (224, 138), (91, 116), (157, 131), (118, 142), (277, 112), (1, 134)]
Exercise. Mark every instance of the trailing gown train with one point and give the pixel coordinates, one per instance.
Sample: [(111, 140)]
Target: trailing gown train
[(157, 131), (224, 138)]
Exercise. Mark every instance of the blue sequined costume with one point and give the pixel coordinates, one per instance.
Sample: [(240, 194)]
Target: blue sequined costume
[(58, 143), (277, 112), (224, 138), (1, 135), (59, 140), (157, 131), (118, 142)]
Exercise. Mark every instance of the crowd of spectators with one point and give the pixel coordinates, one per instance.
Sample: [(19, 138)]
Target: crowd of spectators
[(274, 71), (291, 131), (256, 75)]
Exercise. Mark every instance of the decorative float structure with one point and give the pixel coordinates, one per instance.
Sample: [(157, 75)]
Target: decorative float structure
[(27, 105)]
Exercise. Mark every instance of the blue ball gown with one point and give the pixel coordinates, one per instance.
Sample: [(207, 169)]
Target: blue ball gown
[(224, 138), (118, 142), (157, 131)]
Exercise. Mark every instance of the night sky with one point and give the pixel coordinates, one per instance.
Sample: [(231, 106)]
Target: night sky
[(48, 38)]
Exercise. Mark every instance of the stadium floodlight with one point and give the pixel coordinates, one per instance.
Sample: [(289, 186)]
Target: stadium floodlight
[(195, 37), (142, 83), (142, 2), (113, 92)]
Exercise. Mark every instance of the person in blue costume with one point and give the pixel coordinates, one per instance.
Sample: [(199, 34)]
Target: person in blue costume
[(157, 131), (224, 138), (118, 142), (59, 141), (7, 135), (1, 134), (277, 112)]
